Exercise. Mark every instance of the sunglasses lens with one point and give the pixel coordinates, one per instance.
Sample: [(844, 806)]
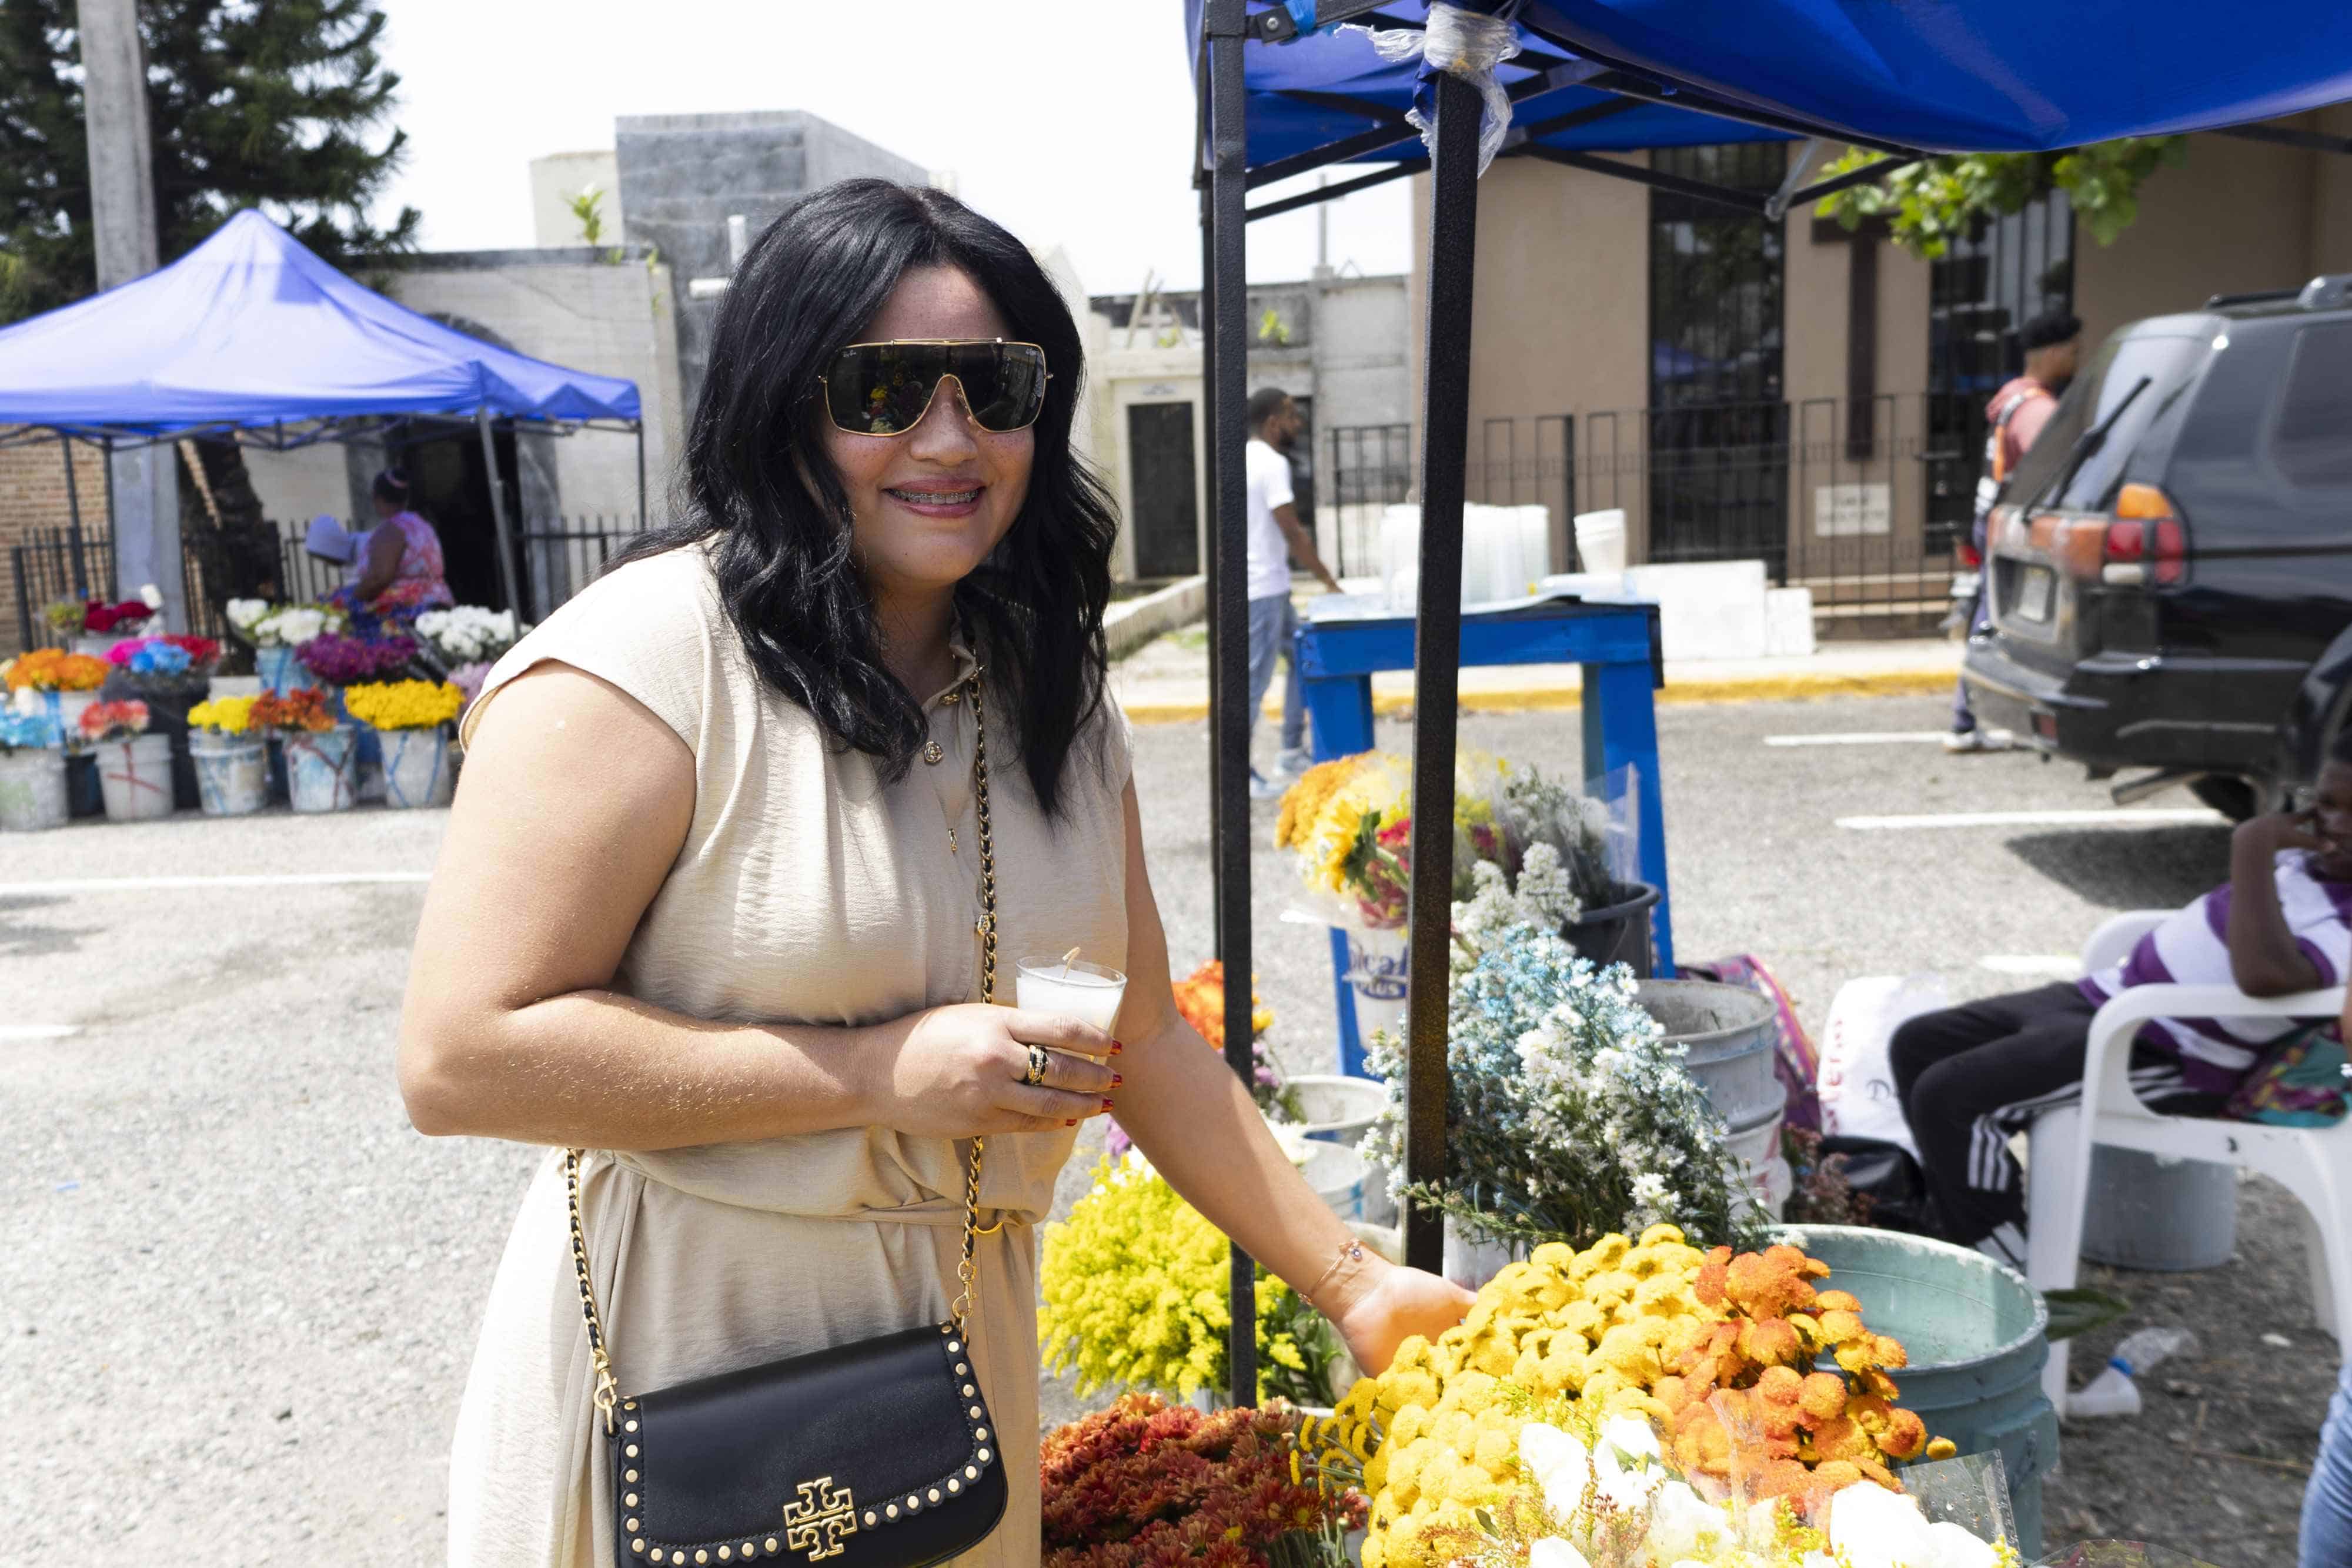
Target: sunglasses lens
[(1003, 383), (883, 388)]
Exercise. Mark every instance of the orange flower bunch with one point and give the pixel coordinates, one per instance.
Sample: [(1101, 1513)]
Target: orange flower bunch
[(1202, 1001), (55, 670), (302, 708), (1739, 1390)]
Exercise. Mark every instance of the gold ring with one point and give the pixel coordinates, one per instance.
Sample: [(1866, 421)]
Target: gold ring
[(1035, 1077)]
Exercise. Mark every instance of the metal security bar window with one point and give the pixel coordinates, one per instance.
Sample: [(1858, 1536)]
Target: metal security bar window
[(1718, 426), (1981, 294)]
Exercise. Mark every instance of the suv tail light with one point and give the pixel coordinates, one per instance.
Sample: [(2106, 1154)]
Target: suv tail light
[(1968, 555), (2143, 543)]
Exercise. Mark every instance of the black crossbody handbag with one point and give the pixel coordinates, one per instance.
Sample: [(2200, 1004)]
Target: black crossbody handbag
[(879, 1454)]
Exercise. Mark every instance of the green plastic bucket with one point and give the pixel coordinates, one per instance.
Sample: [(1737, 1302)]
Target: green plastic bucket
[(1974, 1332)]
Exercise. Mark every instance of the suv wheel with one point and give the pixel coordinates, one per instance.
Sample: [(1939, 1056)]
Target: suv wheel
[(2236, 798)]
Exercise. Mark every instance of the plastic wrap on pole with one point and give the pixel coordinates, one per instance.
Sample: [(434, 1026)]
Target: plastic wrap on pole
[(1465, 44)]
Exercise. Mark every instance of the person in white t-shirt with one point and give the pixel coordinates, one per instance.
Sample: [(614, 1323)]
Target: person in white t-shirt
[(1277, 538)]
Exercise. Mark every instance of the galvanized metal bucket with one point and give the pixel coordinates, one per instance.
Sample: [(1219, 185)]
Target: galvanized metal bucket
[(1974, 1332), (1728, 1034)]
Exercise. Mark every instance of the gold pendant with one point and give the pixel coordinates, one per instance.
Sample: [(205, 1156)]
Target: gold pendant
[(822, 1515), (952, 843)]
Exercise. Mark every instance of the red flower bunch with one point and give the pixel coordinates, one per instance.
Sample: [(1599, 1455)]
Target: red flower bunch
[(102, 619), (1147, 1485)]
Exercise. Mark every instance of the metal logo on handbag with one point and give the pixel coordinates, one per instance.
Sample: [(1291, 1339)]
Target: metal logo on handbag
[(879, 1454)]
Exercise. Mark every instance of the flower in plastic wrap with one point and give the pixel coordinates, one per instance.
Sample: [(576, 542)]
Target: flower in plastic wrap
[(1871, 1526)]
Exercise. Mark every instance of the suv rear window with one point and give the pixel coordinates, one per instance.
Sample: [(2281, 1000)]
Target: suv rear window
[(2168, 365), (2312, 442)]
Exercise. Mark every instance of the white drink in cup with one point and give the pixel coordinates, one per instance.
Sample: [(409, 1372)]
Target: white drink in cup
[(1088, 992)]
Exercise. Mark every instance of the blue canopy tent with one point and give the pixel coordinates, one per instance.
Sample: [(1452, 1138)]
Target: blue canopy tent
[(251, 336), (1281, 93)]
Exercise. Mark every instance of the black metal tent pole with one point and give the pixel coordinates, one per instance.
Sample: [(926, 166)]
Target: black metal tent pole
[(643, 520), (1437, 644), (498, 510), (73, 519), (1228, 390), (105, 447)]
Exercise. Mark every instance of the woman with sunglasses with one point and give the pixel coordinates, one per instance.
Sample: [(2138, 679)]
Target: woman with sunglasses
[(711, 896)]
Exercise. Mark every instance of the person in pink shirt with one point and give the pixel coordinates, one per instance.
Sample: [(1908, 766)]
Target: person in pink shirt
[(400, 571), (2015, 416)]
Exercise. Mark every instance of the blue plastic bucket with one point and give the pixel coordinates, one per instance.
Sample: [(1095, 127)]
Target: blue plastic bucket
[(1973, 1329)]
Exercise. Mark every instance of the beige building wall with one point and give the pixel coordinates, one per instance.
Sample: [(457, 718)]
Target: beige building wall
[(560, 176), (2238, 216), (34, 504)]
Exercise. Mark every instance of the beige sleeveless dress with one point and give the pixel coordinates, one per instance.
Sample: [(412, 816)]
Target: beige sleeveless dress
[(807, 891)]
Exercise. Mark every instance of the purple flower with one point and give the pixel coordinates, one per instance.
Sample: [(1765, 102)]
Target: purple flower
[(342, 661)]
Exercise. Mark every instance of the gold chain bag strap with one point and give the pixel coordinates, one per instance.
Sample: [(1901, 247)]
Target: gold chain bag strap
[(879, 1454)]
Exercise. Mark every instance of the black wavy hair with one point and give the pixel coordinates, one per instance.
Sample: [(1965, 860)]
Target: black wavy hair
[(391, 485), (758, 486)]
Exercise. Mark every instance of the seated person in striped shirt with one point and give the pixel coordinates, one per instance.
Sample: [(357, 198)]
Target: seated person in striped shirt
[(1971, 1076)]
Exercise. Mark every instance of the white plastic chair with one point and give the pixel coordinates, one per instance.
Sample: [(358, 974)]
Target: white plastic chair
[(2313, 1164)]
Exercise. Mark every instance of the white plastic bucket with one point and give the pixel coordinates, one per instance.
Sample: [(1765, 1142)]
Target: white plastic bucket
[(135, 777), (1336, 1109), (232, 773), (98, 645), (1336, 1174), (322, 770), (1601, 540), (1470, 1264), (218, 687), (32, 791), (416, 767)]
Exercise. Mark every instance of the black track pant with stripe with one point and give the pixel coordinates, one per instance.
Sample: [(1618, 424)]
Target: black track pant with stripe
[(1972, 1076)]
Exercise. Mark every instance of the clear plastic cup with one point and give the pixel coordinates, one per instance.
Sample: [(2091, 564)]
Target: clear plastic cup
[(1088, 992)]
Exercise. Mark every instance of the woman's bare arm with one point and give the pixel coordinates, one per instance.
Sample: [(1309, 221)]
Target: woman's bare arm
[(1194, 1120), (575, 801)]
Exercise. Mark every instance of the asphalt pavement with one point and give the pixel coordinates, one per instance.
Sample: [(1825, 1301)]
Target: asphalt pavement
[(242, 1293)]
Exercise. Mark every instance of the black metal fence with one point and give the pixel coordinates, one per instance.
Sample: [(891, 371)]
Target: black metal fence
[(1859, 501), (561, 556)]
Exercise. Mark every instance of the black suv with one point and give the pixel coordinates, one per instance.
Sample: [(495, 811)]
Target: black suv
[(2171, 564)]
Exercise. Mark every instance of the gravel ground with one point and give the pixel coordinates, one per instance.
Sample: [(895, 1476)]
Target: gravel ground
[(243, 1294)]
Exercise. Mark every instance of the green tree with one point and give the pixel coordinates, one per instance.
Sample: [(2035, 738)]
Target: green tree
[(1931, 202), (280, 105)]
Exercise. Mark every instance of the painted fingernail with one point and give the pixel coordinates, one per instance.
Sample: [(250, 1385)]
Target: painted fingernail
[(1117, 1079), (1071, 1123), (1116, 1048), (1107, 1106)]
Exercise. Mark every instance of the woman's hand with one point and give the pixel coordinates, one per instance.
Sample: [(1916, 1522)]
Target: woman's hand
[(1398, 1305), (957, 1072)]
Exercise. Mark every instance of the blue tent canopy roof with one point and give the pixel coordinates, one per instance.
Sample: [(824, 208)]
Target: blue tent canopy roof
[(251, 330), (1929, 74)]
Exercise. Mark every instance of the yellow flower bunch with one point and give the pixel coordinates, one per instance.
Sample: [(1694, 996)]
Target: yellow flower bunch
[(405, 705), (1605, 1332), (224, 715), (1134, 1288)]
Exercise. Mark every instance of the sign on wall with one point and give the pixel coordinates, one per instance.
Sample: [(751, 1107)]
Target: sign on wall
[(1844, 511)]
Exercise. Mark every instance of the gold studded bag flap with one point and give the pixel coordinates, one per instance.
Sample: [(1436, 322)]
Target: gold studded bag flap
[(879, 1453)]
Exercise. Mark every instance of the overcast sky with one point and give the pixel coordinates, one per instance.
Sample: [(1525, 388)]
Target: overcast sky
[(1068, 122)]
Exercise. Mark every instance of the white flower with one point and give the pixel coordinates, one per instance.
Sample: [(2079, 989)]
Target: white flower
[(1628, 1462), (243, 613), (1560, 1464), (1683, 1522), (150, 596), (1551, 1551), (1871, 1526)]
